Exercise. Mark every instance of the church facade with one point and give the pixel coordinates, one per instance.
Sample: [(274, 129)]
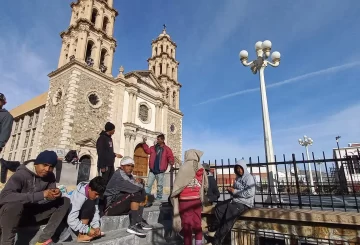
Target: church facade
[(83, 94)]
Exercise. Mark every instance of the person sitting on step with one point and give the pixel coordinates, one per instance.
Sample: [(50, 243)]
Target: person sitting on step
[(213, 193), (31, 196), (84, 216), (227, 212), (125, 194)]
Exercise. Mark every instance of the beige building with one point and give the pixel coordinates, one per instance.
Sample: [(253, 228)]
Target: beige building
[(83, 95)]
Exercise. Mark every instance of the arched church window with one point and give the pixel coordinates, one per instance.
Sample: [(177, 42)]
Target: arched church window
[(174, 99), (153, 68), (103, 56), (143, 113), (93, 16), (172, 128), (167, 49), (161, 71), (75, 45), (88, 58), (172, 73), (168, 70), (162, 48), (156, 50), (105, 23), (167, 93), (103, 67)]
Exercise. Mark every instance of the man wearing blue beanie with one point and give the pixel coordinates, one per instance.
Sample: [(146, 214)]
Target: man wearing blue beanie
[(31, 196)]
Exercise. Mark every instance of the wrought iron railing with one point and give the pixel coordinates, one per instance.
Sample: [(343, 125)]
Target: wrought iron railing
[(287, 183)]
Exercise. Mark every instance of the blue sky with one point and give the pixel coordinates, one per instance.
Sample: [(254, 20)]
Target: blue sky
[(314, 91)]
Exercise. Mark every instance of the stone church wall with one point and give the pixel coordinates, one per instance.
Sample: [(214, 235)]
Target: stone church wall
[(174, 134), (54, 112), (90, 119)]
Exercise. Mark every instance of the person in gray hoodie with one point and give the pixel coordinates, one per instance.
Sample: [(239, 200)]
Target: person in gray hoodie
[(84, 215), (126, 195), (242, 198), (6, 122), (31, 196)]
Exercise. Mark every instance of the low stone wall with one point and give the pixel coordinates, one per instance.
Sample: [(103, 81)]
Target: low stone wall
[(293, 226)]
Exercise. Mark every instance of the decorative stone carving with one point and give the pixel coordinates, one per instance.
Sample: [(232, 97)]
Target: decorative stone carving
[(143, 113), (58, 96), (174, 139)]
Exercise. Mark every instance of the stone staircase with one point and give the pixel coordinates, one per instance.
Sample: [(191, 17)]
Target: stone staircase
[(160, 217)]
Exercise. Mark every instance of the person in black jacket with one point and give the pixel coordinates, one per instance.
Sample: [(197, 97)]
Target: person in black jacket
[(213, 193), (6, 122), (105, 151)]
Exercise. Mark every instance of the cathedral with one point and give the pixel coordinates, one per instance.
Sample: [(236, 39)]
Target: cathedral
[(83, 95)]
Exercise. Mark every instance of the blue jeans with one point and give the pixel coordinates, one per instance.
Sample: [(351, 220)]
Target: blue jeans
[(160, 183)]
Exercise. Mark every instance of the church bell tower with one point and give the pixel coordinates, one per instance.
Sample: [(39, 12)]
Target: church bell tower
[(89, 38), (165, 67), (82, 85)]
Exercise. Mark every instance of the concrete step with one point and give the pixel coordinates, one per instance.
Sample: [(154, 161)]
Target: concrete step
[(160, 217), (121, 237), (153, 215)]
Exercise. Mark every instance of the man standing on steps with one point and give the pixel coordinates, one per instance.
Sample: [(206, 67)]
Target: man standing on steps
[(160, 157), (105, 151), (6, 122)]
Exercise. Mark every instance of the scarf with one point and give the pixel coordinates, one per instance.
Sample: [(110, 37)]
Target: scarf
[(185, 175)]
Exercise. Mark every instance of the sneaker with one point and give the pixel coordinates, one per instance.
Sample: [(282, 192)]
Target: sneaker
[(145, 226), (136, 229), (48, 242)]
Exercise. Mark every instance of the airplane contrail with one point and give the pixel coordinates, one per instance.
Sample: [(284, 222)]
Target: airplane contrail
[(290, 80)]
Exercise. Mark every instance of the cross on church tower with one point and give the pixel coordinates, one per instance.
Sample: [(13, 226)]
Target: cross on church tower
[(164, 27)]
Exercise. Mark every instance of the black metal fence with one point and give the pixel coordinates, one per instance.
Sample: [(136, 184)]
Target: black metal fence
[(318, 183)]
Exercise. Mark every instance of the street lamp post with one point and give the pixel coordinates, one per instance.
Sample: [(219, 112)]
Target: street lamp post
[(263, 50), (321, 179), (307, 141), (337, 143)]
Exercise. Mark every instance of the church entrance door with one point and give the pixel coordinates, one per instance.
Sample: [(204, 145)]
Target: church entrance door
[(84, 169), (141, 161)]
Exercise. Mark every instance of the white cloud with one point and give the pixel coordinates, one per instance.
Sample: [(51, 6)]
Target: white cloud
[(217, 145), (322, 72)]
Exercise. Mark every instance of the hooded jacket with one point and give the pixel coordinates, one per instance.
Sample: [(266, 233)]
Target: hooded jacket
[(184, 177), (77, 199), (244, 186), (105, 151), (6, 122), (26, 187), (120, 184)]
